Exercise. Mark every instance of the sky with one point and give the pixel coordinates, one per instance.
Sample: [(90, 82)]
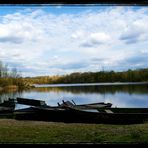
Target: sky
[(58, 39)]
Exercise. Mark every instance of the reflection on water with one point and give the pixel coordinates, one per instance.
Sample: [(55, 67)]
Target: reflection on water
[(131, 89), (118, 95), (4, 96)]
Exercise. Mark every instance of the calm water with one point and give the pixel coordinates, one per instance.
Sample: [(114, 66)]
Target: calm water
[(119, 94)]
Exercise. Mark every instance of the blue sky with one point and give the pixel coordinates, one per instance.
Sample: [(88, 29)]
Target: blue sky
[(51, 40)]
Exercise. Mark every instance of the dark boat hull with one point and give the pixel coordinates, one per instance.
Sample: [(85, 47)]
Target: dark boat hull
[(85, 113), (32, 102), (77, 116), (125, 110)]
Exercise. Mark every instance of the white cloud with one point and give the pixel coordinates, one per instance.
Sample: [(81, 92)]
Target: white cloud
[(40, 42), (136, 32), (95, 39)]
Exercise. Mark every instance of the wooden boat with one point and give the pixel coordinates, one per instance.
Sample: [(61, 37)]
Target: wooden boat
[(85, 106), (74, 115), (42, 103), (41, 114), (31, 102), (87, 113)]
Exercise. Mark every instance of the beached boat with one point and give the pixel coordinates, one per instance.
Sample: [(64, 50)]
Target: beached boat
[(31, 102), (74, 115), (85, 106), (42, 103), (86, 113)]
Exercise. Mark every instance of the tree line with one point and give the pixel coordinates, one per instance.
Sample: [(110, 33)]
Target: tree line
[(13, 77), (139, 75)]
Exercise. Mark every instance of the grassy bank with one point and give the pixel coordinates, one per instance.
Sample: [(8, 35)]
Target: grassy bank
[(13, 131)]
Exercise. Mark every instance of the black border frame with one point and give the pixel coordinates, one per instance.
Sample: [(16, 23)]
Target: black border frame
[(73, 2)]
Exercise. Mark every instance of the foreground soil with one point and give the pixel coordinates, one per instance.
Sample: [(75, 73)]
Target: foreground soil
[(38, 132)]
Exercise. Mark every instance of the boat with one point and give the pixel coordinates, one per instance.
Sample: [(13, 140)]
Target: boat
[(41, 103), (32, 102), (73, 115), (69, 112), (85, 106)]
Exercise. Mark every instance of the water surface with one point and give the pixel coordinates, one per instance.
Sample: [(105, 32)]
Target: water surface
[(119, 94)]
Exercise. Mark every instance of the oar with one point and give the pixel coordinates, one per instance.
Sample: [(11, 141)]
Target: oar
[(73, 102)]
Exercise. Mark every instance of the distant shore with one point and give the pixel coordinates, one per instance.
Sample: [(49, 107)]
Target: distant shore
[(14, 87), (10, 87)]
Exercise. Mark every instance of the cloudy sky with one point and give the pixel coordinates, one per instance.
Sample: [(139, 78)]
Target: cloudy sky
[(51, 40)]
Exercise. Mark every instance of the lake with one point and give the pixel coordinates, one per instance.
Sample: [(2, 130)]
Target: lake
[(119, 94)]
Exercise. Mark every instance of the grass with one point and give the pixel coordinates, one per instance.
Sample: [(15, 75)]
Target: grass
[(38, 132)]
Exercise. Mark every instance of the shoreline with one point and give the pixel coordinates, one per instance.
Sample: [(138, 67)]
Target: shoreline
[(89, 84), (14, 88), (9, 87)]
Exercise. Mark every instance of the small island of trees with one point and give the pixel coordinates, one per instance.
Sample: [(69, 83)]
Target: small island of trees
[(10, 78)]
